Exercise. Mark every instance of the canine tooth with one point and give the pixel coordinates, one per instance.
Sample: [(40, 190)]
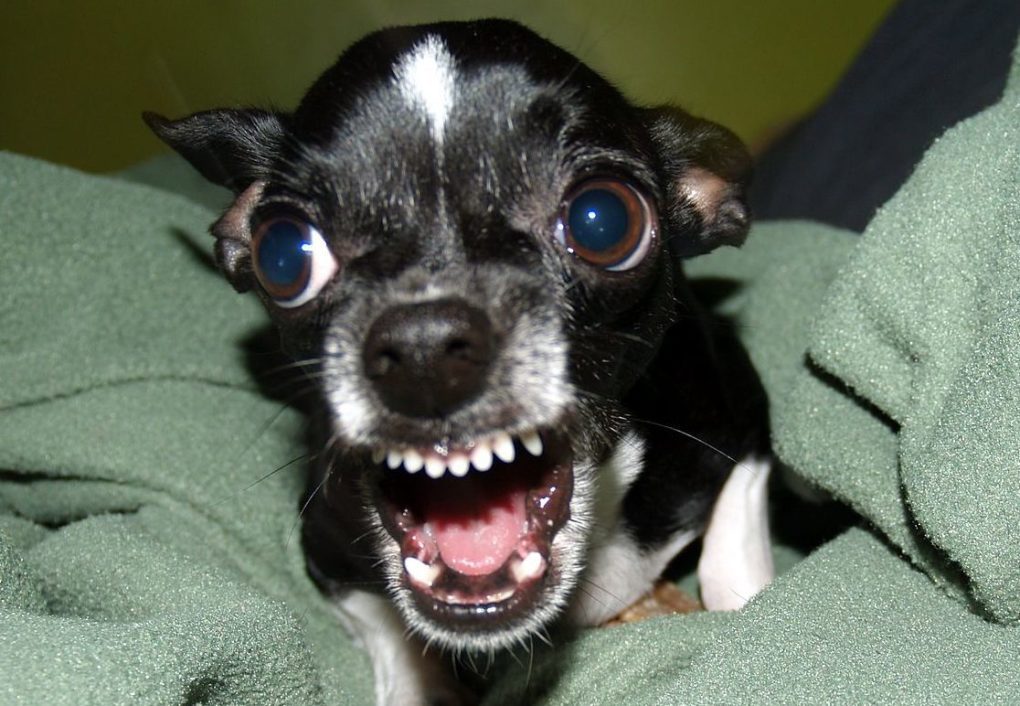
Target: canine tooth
[(532, 442), (420, 572), (413, 461), (378, 456), (503, 447), (530, 567), (394, 459), (458, 464), (481, 457), (435, 467)]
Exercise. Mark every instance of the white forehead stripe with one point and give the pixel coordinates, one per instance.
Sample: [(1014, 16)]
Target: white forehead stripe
[(426, 80)]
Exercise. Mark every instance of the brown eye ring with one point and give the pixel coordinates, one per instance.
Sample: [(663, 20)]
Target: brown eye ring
[(291, 260), (608, 223)]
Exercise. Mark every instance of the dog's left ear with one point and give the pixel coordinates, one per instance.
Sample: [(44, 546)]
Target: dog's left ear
[(707, 170), (229, 147)]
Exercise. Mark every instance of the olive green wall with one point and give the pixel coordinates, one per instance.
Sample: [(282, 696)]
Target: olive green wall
[(75, 75)]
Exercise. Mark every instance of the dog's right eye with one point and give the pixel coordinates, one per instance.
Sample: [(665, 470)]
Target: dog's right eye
[(292, 261)]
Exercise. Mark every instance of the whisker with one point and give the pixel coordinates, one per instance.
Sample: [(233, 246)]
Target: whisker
[(290, 366), (543, 635), (470, 656), (331, 451), (273, 472), (620, 604), (362, 536), (515, 658), (304, 507), (622, 334), (531, 662), (266, 426), (590, 595), (690, 436), (455, 664)]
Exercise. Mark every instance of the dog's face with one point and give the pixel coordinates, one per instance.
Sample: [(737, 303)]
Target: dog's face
[(475, 238)]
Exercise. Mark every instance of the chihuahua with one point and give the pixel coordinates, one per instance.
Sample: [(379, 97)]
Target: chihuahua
[(475, 241)]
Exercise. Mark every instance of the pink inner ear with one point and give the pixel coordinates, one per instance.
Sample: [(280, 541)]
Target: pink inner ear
[(704, 190), (233, 224)]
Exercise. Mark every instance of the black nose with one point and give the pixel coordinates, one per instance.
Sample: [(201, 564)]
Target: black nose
[(431, 358)]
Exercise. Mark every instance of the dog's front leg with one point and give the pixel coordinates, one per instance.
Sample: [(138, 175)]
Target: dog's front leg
[(404, 674), (736, 554)]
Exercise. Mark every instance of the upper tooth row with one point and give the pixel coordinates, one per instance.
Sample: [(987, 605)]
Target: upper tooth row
[(500, 445)]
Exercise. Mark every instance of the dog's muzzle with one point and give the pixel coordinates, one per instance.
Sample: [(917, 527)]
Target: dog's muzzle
[(474, 520)]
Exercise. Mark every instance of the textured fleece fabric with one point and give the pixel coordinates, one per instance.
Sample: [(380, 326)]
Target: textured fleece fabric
[(150, 555)]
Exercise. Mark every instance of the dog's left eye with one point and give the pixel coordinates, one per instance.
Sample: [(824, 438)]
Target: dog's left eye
[(292, 261), (608, 223)]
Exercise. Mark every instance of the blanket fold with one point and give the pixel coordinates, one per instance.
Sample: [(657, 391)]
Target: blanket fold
[(919, 334), (147, 554)]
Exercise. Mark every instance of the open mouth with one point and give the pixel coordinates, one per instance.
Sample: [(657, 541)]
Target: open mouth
[(475, 523)]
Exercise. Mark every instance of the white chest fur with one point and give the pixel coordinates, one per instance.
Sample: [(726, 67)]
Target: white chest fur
[(736, 561)]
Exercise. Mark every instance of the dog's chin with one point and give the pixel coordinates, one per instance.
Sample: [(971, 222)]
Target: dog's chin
[(481, 542)]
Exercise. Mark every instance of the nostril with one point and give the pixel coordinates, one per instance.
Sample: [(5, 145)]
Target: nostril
[(459, 348), (469, 349)]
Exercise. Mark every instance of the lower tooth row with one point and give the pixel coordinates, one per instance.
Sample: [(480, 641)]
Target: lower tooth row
[(530, 567)]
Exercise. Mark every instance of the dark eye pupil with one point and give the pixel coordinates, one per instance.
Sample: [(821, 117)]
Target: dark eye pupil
[(598, 220), (283, 253)]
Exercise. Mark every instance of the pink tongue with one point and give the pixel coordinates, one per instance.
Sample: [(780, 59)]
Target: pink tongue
[(478, 525)]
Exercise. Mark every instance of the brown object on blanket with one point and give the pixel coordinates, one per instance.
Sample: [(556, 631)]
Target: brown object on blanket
[(665, 598)]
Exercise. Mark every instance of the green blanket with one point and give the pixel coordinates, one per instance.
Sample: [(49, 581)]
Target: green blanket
[(150, 555)]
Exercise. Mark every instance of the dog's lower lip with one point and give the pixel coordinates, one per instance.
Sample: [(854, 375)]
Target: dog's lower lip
[(411, 505)]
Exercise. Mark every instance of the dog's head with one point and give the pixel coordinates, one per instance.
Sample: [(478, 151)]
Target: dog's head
[(476, 238)]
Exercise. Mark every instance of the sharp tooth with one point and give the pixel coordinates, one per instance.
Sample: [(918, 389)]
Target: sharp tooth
[(530, 567), (420, 572), (458, 464), (481, 457), (533, 564), (503, 447), (394, 459), (413, 461), (532, 442), (435, 467), (378, 456)]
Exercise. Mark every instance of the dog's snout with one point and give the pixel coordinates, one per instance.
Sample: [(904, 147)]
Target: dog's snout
[(429, 359)]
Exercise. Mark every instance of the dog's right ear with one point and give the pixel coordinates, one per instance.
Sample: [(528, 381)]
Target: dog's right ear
[(229, 147), (235, 149)]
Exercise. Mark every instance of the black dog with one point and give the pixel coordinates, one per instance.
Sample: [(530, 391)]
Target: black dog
[(476, 241)]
